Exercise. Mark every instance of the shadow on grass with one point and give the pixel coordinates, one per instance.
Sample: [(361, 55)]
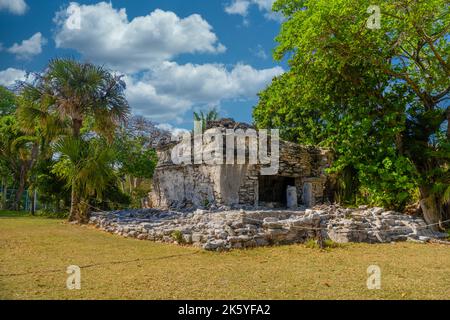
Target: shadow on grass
[(102, 264)]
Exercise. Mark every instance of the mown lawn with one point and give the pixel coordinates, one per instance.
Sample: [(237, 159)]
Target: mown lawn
[(35, 252)]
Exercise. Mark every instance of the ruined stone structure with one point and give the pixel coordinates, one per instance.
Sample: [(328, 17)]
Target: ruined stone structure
[(300, 180), (235, 229)]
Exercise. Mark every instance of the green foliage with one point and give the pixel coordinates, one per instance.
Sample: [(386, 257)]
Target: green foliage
[(135, 159), (327, 244), (204, 118), (50, 187), (52, 214), (136, 162), (112, 199), (7, 102), (312, 244), (177, 235), (86, 166), (68, 102), (75, 91), (18, 154), (377, 98)]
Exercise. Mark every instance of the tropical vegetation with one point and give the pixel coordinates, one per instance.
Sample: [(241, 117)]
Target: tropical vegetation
[(66, 137), (376, 94)]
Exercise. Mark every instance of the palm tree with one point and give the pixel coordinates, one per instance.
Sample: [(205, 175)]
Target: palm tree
[(75, 92), (87, 166), (36, 120), (211, 115), (18, 153)]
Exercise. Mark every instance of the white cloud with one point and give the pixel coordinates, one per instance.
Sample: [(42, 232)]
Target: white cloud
[(9, 76), (170, 90), (259, 52), (146, 101), (107, 36), (18, 7), (241, 7), (28, 48), (142, 48)]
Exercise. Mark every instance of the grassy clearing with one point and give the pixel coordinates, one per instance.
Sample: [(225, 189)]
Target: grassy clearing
[(35, 252)]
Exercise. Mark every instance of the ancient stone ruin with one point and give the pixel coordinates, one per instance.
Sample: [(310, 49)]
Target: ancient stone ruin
[(231, 206), (236, 229), (300, 180)]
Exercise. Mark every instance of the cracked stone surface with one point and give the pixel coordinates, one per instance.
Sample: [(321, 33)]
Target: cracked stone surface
[(228, 229)]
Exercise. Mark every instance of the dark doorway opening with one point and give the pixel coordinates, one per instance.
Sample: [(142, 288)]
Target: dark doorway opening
[(274, 189)]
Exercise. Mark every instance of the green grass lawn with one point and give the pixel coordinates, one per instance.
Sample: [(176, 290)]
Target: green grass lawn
[(35, 252)]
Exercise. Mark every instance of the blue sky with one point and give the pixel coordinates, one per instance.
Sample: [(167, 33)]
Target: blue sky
[(177, 56)]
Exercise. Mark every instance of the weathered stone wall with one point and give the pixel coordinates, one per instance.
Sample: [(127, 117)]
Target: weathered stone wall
[(307, 165), (181, 186), (184, 186)]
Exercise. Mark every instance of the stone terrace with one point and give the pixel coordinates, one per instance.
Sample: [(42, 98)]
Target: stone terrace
[(223, 230)]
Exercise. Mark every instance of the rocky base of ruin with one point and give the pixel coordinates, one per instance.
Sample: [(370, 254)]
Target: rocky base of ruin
[(230, 229)]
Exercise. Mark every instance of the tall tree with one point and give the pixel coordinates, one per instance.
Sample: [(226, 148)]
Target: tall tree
[(18, 154), (378, 94), (76, 92), (7, 107), (7, 102), (37, 120)]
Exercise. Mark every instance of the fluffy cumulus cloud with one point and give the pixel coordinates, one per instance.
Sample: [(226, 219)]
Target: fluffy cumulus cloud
[(9, 76), (18, 7), (169, 90), (146, 101), (241, 7), (104, 34), (28, 48), (144, 49)]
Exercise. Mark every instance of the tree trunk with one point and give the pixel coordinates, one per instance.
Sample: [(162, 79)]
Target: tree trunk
[(84, 212), (76, 127), (79, 209), (4, 193), (20, 189), (431, 208), (74, 206), (130, 184)]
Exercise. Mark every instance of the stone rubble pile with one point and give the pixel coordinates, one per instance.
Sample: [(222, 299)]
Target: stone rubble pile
[(223, 230)]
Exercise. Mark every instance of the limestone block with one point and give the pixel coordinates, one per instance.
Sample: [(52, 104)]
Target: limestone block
[(308, 198), (291, 193)]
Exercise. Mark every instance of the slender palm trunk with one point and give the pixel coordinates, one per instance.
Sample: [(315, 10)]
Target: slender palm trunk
[(74, 206), (74, 215), (76, 127)]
